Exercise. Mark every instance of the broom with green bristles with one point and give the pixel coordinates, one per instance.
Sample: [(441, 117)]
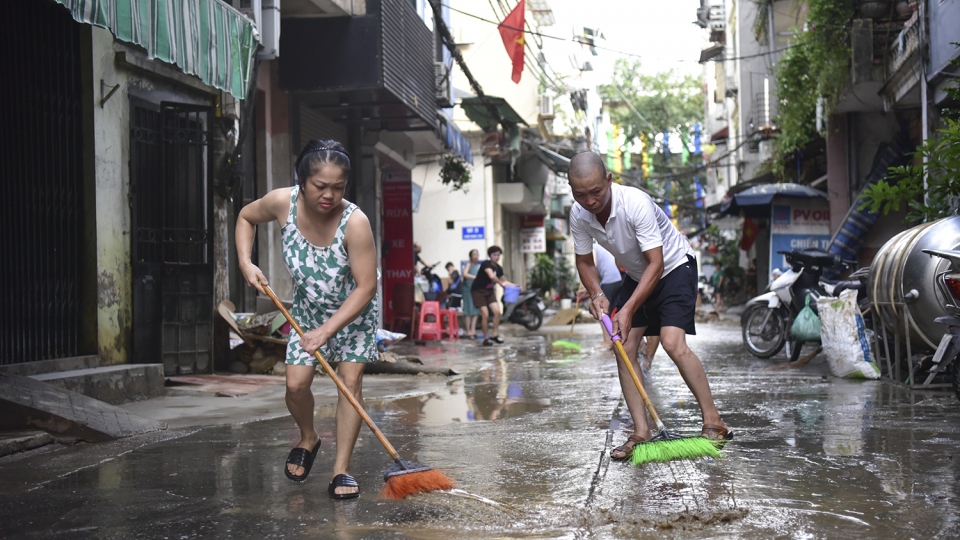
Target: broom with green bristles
[(664, 446), (567, 344)]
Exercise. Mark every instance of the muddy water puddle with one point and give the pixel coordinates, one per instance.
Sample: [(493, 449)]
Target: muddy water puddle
[(527, 438), (498, 392)]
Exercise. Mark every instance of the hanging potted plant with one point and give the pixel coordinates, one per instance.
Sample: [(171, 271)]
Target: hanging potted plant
[(455, 173)]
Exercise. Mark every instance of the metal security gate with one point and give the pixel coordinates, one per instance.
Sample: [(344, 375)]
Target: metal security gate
[(170, 168), (42, 187)]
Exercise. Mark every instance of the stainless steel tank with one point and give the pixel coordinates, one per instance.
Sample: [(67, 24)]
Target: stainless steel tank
[(902, 280)]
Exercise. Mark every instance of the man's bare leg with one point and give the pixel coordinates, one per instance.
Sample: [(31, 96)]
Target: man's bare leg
[(674, 341), (630, 394), (648, 348), (348, 420), (300, 403)]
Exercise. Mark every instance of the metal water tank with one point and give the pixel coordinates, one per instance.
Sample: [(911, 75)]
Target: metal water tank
[(902, 280)]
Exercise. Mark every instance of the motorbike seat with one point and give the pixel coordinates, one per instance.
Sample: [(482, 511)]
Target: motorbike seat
[(841, 286)]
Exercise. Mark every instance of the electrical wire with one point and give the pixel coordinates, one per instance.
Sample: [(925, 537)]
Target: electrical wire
[(578, 39)]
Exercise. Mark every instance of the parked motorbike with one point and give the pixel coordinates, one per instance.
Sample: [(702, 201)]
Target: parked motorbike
[(527, 310), (767, 318), (948, 287)]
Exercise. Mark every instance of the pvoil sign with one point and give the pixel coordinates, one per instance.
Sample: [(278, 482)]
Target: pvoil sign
[(798, 224)]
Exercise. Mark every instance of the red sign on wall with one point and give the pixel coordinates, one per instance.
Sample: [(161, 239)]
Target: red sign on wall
[(528, 221), (397, 236)]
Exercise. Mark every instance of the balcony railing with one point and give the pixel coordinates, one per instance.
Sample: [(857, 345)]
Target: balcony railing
[(905, 44)]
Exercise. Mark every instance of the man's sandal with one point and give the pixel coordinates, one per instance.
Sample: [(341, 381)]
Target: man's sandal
[(301, 457), (626, 448), (343, 480), (718, 435)]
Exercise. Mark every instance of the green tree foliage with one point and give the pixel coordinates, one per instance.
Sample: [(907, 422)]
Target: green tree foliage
[(567, 280), (728, 250), (455, 172), (816, 64), (905, 184), (667, 100), (543, 275), (549, 275)]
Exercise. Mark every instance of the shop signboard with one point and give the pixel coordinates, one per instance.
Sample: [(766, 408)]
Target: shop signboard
[(397, 234), (533, 240), (798, 224)]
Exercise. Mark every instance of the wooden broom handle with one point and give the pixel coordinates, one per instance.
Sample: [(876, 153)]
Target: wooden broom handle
[(633, 374), (336, 378), (575, 315)]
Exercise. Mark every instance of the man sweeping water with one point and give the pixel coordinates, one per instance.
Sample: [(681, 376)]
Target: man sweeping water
[(657, 297)]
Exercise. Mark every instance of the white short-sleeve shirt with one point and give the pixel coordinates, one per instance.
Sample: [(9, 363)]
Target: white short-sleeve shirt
[(635, 225)]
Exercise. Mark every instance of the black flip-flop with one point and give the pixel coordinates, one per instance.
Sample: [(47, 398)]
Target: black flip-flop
[(301, 457), (343, 480)]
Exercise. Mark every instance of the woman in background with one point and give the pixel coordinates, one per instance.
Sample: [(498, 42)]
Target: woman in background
[(470, 311)]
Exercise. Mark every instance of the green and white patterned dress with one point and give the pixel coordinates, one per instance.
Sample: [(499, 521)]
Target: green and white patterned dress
[(322, 282)]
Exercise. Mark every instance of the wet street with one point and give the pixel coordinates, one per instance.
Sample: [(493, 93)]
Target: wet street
[(527, 435)]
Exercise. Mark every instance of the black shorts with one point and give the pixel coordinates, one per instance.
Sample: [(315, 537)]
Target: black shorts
[(673, 301), (610, 289), (483, 297)]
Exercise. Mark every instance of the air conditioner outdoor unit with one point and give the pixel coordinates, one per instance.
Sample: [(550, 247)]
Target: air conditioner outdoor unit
[(442, 73), (546, 106)]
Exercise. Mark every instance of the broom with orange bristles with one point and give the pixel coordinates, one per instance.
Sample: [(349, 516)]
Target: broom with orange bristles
[(403, 477)]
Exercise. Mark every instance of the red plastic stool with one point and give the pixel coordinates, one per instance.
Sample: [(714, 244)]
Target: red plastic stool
[(449, 326), (429, 329)]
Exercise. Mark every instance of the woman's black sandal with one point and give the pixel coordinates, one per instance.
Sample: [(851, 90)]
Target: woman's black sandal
[(343, 480), (301, 457)]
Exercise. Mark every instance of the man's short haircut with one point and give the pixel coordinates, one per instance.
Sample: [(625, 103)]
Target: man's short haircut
[(449, 264), (585, 164), (493, 249)]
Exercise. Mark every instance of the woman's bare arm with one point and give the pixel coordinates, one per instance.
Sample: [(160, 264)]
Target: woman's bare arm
[(272, 206)]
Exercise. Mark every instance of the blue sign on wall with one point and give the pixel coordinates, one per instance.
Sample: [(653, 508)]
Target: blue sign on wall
[(790, 242), (473, 233)]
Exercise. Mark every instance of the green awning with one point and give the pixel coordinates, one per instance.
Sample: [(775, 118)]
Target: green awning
[(206, 38), (478, 112)]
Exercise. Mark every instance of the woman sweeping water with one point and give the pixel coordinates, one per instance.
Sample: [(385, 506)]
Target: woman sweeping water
[(329, 249)]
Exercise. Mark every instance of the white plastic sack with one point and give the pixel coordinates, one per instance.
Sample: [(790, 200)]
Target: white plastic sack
[(386, 337), (844, 339)]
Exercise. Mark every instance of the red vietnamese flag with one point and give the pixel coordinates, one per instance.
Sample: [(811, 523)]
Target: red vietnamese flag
[(750, 231), (511, 30)]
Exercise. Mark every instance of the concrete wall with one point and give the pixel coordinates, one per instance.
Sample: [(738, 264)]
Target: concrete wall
[(438, 205), (275, 159), (754, 67), (838, 182), (137, 78), (944, 22), (111, 140)]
